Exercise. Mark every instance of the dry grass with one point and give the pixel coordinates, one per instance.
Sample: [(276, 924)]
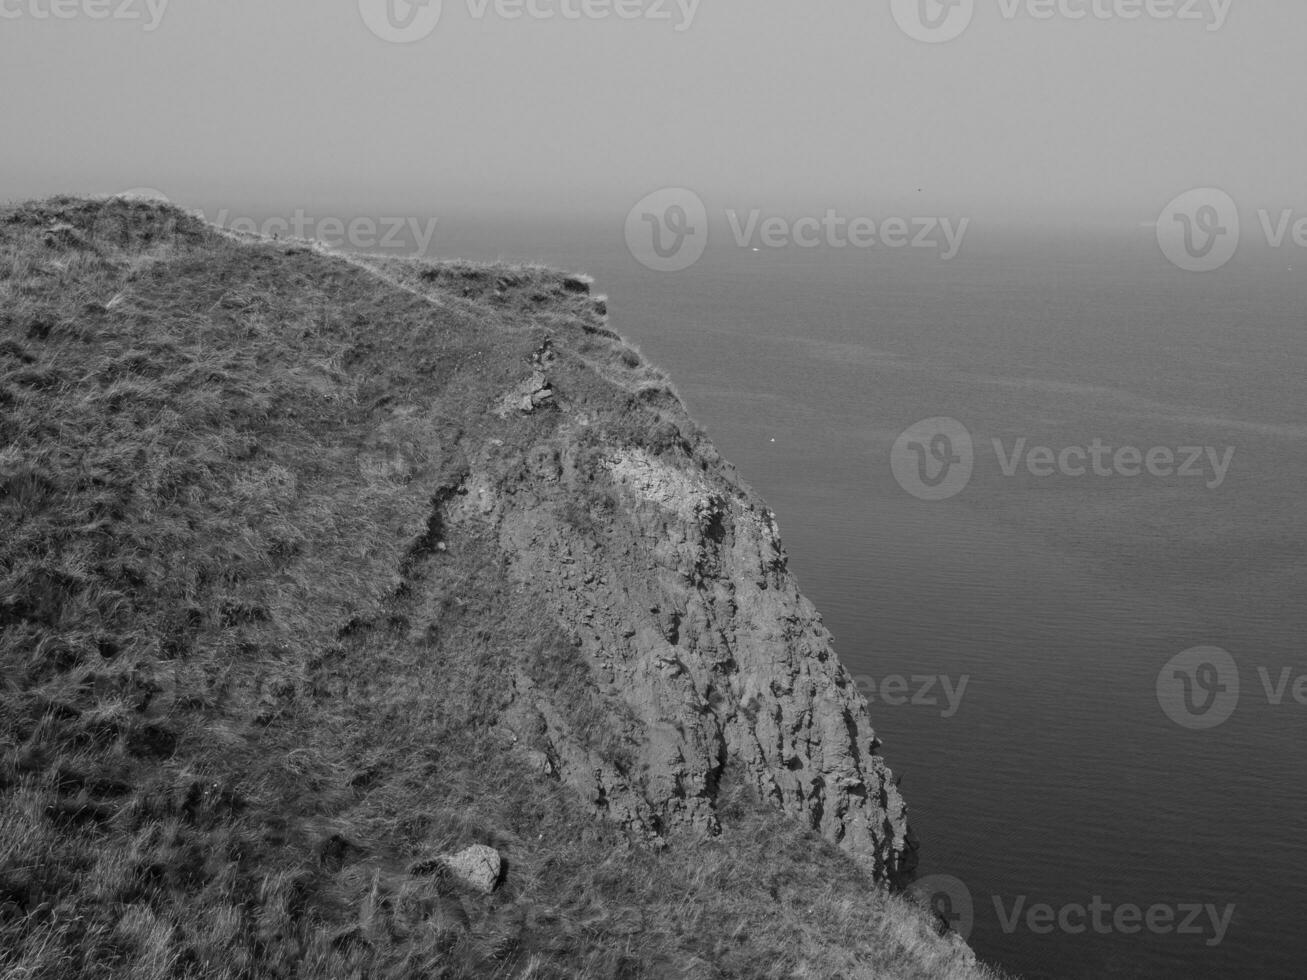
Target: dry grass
[(240, 694)]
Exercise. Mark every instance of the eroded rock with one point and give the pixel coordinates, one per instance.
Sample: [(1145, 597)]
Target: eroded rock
[(699, 652), (478, 867)]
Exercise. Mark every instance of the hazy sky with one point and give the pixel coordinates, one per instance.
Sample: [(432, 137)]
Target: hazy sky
[(752, 103)]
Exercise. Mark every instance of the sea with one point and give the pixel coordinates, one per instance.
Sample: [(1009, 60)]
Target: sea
[(1050, 496)]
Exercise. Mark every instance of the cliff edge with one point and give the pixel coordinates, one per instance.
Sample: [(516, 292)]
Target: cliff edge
[(663, 578), (322, 567)]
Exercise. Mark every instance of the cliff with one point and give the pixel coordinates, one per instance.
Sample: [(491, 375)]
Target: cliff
[(643, 556), (322, 567)]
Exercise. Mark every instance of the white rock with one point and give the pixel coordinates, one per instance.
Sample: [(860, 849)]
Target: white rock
[(477, 866)]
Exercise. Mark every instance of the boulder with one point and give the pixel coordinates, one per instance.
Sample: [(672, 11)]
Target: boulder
[(478, 867)]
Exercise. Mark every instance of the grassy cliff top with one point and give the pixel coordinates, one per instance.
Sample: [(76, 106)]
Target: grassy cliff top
[(249, 681)]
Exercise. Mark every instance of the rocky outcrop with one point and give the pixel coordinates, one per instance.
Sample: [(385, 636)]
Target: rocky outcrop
[(689, 653), (478, 867), (526, 397), (668, 579)]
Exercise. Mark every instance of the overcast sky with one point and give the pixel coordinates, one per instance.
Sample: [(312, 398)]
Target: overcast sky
[(752, 103)]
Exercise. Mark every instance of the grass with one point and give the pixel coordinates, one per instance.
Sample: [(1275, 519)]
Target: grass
[(244, 690)]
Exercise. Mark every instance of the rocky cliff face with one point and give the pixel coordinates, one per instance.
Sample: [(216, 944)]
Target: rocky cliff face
[(697, 633), (457, 473), (338, 596), (667, 576)]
